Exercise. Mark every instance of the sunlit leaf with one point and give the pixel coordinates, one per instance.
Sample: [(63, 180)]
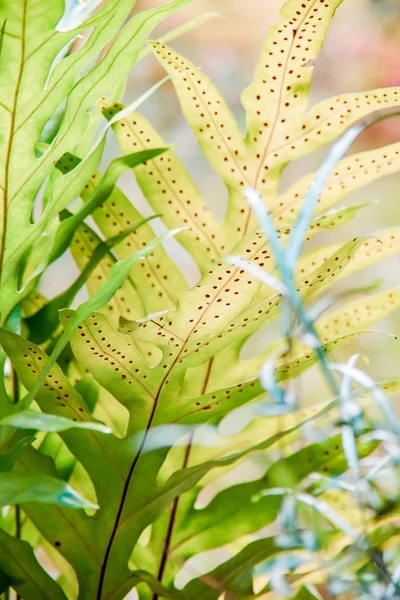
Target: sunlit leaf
[(21, 569), (41, 422), (22, 487)]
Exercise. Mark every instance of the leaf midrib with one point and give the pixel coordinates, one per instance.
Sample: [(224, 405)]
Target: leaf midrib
[(334, 113), (150, 263), (85, 49), (9, 145), (117, 522), (278, 105), (166, 181), (124, 368), (175, 509), (52, 151)]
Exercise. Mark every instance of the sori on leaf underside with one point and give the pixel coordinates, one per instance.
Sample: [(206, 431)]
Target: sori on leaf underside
[(159, 362)]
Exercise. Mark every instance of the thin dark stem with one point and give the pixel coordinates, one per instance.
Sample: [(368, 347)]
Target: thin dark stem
[(172, 519), (208, 375), (121, 507), (15, 387), (126, 486), (175, 505), (15, 398), (18, 532)]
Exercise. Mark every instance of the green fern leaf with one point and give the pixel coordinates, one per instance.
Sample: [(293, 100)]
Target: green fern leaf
[(279, 92), (26, 575), (169, 188), (30, 44), (233, 512), (350, 174), (82, 549), (126, 301), (160, 279)]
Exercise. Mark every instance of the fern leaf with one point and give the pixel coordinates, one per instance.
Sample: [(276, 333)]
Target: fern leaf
[(251, 319), (279, 92), (126, 375), (158, 280), (94, 453), (169, 188), (216, 130), (279, 128), (350, 174), (58, 396), (208, 114), (126, 301), (31, 49), (330, 118), (337, 329), (33, 303), (19, 565), (72, 533), (358, 315), (233, 512), (382, 245), (163, 364)]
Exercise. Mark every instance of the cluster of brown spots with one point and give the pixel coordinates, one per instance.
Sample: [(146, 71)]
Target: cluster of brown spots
[(172, 192), (330, 268), (248, 390), (280, 90), (352, 173), (55, 384), (335, 115), (211, 119), (295, 367), (218, 295), (281, 86), (225, 290), (358, 316), (114, 216), (372, 250), (115, 362), (250, 320), (67, 162), (109, 111)]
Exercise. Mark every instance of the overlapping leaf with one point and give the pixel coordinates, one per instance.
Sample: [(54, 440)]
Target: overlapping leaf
[(33, 91), (181, 366), (170, 189), (84, 541)]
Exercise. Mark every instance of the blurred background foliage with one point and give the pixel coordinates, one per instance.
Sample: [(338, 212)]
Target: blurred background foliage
[(361, 52)]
